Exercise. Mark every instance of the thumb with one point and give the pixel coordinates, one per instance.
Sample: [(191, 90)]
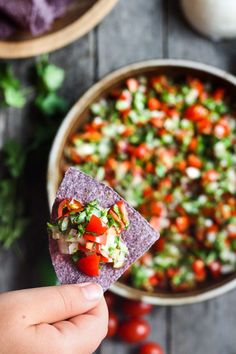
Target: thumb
[(55, 303)]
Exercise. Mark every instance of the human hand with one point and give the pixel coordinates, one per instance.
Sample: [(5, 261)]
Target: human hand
[(57, 320)]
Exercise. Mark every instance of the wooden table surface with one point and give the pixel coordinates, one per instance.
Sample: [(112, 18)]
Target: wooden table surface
[(136, 30)]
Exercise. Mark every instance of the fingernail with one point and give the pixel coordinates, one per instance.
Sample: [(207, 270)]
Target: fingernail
[(92, 291)]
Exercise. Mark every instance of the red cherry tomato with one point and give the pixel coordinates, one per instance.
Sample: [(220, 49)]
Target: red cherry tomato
[(134, 330), (136, 308), (95, 225), (151, 348), (89, 265), (110, 299), (112, 324)]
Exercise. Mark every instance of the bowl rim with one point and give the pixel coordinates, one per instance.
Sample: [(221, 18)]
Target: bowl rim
[(48, 42), (73, 116)]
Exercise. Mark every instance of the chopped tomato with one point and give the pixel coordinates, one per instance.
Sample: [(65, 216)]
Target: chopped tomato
[(210, 176), (89, 265), (171, 272), (95, 225), (157, 122), (148, 191), (102, 239), (194, 161), (157, 208), (193, 145), (197, 85), (155, 222), (215, 269), (141, 151), (196, 112), (222, 129), (145, 258), (159, 245), (218, 95), (153, 104), (132, 84), (182, 223), (181, 165), (149, 167), (153, 280), (125, 95), (199, 269)]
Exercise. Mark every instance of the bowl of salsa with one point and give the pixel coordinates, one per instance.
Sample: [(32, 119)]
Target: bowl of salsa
[(162, 133)]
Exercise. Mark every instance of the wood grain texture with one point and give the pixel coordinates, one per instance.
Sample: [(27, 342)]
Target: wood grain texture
[(132, 32), (204, 328)]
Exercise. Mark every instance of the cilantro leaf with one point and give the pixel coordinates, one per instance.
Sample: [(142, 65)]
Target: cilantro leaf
[(53, 77), (10, 90), (50, 103), (50, 78)]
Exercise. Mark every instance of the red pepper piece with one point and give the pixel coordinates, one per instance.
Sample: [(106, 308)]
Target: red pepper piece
[(61, 208)]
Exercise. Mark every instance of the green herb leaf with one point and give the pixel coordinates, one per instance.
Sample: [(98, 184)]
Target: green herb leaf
[(10, 90), (50, 103)]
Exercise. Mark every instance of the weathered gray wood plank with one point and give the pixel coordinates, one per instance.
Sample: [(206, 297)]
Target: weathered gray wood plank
[(130, 33), (206, 328), (78, 60)]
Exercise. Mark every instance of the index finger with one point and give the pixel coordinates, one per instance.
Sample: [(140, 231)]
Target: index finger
[(51, 304)]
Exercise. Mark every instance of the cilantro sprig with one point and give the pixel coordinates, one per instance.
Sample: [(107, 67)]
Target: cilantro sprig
[(49, 79), (11, 93)]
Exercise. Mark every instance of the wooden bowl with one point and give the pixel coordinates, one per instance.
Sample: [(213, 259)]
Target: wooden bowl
[(79, 114), (80, 18)]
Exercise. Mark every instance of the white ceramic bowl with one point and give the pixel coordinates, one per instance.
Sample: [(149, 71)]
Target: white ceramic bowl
[(79, 114)]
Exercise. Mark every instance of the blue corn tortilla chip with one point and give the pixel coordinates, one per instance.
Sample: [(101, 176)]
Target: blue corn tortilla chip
[(139, 236), (35, 16)]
